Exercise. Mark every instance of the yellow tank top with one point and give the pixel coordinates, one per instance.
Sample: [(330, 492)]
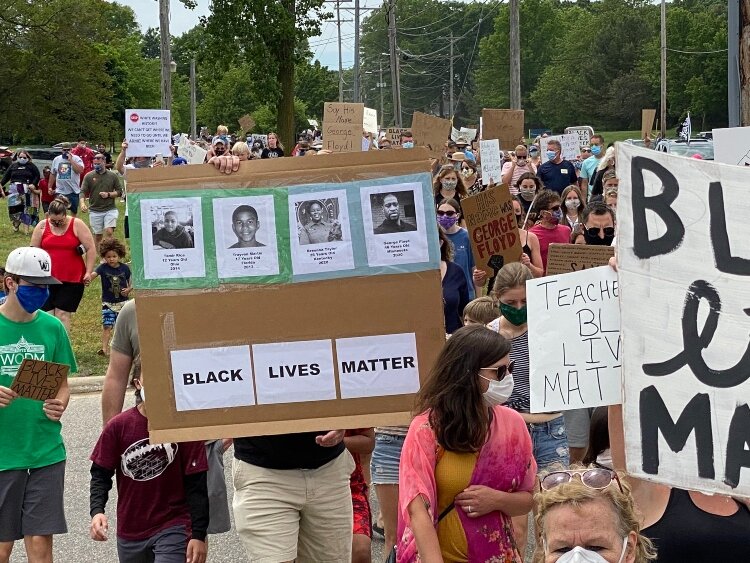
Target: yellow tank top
[(452, 475)]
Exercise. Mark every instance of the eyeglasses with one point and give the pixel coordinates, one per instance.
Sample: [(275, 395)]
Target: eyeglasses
[(448, 213), (503, 370), (594, 231), (598, 478)]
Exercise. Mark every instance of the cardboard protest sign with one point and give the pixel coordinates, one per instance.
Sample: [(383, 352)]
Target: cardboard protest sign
[(370, 121), (148, 132), (297, 362), (647, 122), (584, 133), (492, 227), (503, 124), (431, 132), (574, 340), (684, 293), (247, 123), (465, 132), (342, 127), (393, 134), (568, 142), (40, 380), (564, 258), (492, 163), (732, 145)]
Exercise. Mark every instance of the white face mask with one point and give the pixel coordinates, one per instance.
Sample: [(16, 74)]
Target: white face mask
[(499, 391), (572, 203), (581, 555)]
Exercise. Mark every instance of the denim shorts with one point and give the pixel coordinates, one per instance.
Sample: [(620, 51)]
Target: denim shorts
[(385, 459), (550, 443)]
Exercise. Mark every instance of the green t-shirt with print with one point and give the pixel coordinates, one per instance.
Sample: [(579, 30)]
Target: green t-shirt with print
[(28, 439)]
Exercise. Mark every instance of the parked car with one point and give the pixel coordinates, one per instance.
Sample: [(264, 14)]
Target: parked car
[(6, 156), (43, 155), (703, 147)]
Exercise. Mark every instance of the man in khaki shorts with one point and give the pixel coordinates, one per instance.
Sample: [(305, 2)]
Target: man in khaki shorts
[(101, 188)]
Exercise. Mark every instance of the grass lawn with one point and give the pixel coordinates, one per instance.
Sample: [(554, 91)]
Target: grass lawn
[(86, 329), (614, 136)]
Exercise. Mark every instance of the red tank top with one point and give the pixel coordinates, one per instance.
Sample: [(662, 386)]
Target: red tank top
[(67, 264)]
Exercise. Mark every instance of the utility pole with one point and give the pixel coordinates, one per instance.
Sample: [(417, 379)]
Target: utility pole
[(166, 56), (357, 93), (515, 56), (663, 109), (193, 118), (381, 85), (733, 64), (394, 58), (341, 66), (450, 84)]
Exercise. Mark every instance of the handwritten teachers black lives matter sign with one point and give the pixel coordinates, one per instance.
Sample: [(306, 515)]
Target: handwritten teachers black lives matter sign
[(40, 380), (684, 267), (493, 230), (574, 340), (259, 359), (342, 126)]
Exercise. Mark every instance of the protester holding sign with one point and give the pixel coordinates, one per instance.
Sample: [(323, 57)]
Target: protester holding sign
[(519, 164), (466, 466), (32, 464), (548, 229)]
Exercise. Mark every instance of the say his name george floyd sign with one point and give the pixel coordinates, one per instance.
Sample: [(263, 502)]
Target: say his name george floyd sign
[(684, 273)]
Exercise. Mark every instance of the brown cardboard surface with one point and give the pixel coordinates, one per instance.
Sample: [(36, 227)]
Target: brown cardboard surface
[(647, 122), (247, 123), (503, 124), (342, 126), (40, 380), (256, 314), (431, 132), (393, 134), (492, 227), (565, 258)]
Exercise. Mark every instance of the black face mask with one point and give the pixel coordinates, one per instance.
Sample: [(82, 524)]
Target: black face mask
[(596, 240)]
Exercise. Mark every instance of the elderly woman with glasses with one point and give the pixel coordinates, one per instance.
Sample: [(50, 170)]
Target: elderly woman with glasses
[(588, 515), (466, 465)]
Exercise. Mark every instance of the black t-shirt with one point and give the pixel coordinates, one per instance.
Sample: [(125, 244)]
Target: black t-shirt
[(272, 153), (285, 451)]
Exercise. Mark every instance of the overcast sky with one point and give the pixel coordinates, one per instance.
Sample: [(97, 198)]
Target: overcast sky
[(324, 47)]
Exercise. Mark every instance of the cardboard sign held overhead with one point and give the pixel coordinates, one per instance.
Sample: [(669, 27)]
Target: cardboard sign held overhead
[(584, 133), (503, 124), (492, 164), (39, 380), (732, 145), (393, 134), (647, 122), (342, 126), (148, 132), (247, 123), (684, 292), (492, 227), (577, 363), (370, 121), (569, 143), (564, 258), (193, 153), (431, 132), (465, 132)]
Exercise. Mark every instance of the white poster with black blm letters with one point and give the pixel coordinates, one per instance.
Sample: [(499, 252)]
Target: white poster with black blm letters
[(684, 272), (574, 340)]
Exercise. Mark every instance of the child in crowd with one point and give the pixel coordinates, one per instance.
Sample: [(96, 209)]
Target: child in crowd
[(482, 311), (360, 442), (116, 286), (162, 492)]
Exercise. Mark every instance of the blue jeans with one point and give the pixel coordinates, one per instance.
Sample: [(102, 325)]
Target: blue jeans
[(385, 459), (550, 443)]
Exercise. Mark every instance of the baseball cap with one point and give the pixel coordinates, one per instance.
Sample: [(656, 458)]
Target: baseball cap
[(31, 264), (65, 146), (178, 160), (218, 139)]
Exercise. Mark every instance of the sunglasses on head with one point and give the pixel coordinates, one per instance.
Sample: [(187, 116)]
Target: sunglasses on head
[(594, 231), (443, 213), (503, 370), (555, 208), (598, 478)]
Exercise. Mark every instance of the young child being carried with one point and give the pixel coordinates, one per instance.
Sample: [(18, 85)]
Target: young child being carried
[(162, 507)]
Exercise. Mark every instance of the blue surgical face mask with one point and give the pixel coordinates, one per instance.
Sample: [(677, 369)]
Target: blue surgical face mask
[(23, 160), (32, 297), (3, 296), (551, 155), (98, 167), (596, 150), (408, 144)]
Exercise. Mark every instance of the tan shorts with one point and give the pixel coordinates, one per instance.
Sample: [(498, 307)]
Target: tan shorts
[(288, 514)]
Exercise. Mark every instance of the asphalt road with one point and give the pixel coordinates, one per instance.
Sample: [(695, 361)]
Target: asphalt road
[(81, 425)]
